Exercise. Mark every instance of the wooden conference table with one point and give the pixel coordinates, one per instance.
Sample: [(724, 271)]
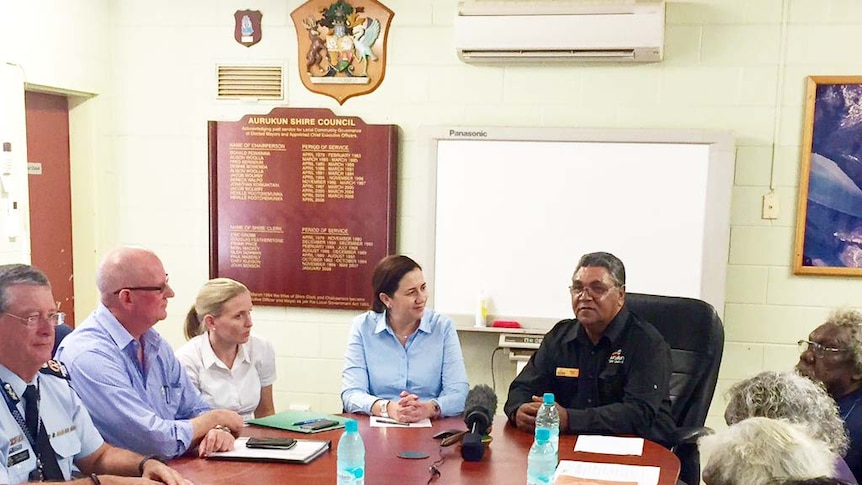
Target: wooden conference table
[(505, 461)]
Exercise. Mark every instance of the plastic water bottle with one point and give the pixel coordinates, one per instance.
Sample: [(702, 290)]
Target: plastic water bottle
[(481, 317), (542, 460), (549, 418), (351, 455)]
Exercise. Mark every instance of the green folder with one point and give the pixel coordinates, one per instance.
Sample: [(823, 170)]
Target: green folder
[(286, 419)]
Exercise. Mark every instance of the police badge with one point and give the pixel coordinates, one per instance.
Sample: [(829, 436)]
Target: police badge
[(343, 44), (247, 27)]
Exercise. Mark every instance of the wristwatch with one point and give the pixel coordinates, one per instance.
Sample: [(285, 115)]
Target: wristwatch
[(384, 408), (437, 412)]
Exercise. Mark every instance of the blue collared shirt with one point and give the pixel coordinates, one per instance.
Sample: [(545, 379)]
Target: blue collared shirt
[(143, 410), (377, 365), (66, 421)]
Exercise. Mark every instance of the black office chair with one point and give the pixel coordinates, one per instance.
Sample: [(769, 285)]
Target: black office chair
[(695, 335)]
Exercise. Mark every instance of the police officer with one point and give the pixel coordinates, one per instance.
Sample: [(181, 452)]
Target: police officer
[(45, 431)]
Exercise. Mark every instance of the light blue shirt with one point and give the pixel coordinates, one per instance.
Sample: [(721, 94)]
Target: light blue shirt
[(146, 412), (66, 421), (377, 366)]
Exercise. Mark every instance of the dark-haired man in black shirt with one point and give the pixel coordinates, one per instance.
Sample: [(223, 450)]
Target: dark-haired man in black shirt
[(608, 369)]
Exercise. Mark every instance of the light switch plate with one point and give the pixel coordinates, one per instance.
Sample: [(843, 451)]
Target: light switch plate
[(770, 206)]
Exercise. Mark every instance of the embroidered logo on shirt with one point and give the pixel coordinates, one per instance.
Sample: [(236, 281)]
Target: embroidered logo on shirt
[(55, 368), (567, 372), (617, 357)]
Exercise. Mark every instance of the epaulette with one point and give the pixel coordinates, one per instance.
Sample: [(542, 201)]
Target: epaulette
[(55, 368)]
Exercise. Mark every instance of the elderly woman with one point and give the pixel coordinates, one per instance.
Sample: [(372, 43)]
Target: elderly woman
[(403, 361), (789, 396), (232, 368), (763, 451), (833, 355)]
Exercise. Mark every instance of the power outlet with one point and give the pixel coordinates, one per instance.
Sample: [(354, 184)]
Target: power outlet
[(770, 206)]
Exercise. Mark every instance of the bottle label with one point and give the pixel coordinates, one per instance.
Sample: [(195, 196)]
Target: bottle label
[(351, 476)]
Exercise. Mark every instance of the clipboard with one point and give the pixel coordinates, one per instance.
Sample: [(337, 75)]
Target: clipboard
[(286, 420)]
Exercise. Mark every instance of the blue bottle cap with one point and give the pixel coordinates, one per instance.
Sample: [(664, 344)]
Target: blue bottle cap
[(351, 426), (543, 435), (548, 398)]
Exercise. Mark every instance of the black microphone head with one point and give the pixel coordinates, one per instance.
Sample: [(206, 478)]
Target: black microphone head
[(472, 448), (479, 408)]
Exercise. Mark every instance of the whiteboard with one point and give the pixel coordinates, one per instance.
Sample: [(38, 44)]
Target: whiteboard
[(515, 210)]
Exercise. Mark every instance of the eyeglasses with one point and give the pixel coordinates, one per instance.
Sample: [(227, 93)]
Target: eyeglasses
[(820, 351), (596, 290), (33, 320), (161, 289)]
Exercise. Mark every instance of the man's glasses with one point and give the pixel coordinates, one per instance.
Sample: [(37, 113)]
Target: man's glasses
[(33, 320), (161, 289), (596, 290), (820, 351)]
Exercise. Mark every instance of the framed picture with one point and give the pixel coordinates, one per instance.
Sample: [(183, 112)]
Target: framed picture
[(829, 214)]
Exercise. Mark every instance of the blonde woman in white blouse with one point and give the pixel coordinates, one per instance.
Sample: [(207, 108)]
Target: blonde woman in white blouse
[(232, 368)]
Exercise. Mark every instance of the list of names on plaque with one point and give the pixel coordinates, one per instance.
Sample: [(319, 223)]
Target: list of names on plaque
[(248, 169), (302, 205), (246, 241)]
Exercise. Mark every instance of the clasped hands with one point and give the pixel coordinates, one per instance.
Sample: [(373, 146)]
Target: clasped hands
[(409, 409), (525, 416)]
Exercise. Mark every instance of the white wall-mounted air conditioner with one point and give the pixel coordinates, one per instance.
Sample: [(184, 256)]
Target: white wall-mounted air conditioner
[(548, 30)]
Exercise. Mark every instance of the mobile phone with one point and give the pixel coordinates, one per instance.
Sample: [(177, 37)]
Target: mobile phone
[(271, 443), (320, 424)]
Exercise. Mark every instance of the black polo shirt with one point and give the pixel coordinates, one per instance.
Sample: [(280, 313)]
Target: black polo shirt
[(619, 386)]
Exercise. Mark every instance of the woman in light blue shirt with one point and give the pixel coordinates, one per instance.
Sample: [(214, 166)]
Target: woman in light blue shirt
[(403, 361)]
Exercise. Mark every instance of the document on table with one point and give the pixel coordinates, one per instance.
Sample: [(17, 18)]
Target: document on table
[(587, 473), (305, 451), (610, 445), (378, 422)]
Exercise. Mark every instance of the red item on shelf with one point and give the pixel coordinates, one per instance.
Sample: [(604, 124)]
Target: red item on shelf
[(505, 324)]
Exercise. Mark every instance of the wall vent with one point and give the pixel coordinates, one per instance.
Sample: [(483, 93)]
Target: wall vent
[(250, 82)]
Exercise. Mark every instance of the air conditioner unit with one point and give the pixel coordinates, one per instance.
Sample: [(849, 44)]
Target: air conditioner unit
[(556, 30)]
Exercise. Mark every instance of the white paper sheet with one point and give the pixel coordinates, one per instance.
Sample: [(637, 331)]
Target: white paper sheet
[(610, 445), (642, 475), (378, 422), (303, 452)]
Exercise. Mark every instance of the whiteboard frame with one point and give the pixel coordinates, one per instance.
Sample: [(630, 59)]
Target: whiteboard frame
[(720, 172)]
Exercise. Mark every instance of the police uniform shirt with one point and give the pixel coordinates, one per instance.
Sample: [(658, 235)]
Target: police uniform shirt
[(64, 417)]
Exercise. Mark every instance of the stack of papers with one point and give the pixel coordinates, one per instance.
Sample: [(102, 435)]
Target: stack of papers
[(305, 451), (587, 473)]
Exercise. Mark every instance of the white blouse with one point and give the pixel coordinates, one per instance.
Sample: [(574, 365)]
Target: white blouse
[(237, 389)]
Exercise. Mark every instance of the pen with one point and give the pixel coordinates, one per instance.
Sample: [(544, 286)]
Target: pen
[(392, 421), (307, 421)]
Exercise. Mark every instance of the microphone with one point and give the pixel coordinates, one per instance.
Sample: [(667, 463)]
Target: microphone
[(479, 409)]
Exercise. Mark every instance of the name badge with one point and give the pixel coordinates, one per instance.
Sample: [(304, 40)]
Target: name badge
[(18, 458), (567, 372)]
